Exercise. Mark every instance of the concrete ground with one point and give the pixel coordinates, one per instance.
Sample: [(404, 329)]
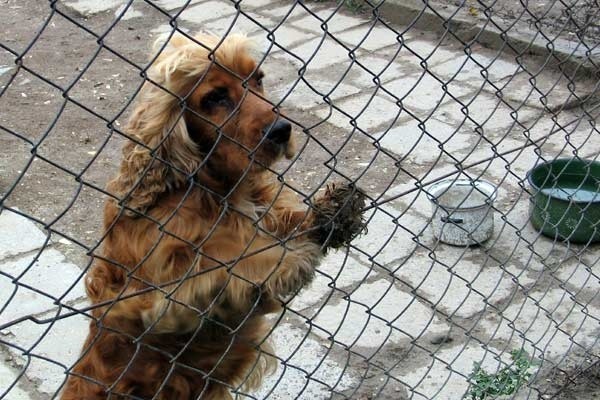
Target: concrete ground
[(399, 314)]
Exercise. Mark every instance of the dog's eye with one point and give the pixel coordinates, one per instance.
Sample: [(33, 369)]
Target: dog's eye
[(218, 97)]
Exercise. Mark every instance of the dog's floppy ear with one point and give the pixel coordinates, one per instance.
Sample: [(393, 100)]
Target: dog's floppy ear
[(163, 158), (162, 155)]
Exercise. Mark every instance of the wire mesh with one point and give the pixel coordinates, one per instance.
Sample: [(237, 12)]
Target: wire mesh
[(391, 97)]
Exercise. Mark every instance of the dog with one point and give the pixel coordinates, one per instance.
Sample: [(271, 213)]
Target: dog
[(201, 240)]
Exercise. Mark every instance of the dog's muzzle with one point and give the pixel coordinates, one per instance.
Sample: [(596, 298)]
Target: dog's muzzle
[(279, 131), (279, 135)]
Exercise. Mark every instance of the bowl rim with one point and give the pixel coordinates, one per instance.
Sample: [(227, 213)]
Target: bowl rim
[(563, 159), (489, 190)]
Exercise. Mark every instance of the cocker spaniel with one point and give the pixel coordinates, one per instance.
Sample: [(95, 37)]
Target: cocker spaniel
[(201, 241)]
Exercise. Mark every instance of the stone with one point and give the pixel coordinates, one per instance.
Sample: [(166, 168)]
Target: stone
[(425, 144), (356, 72), (466, 69), (283, 37), (521, 240), (173, 4), (368, 111), (495, 116), (390, 235), (581, 138), (497, 64), (417, 50), (298, 93), (7, 377), (460, 68), (423, 92), (90, 7), (457, 286), (446, 376), (61, 342), (417, 200), (50, 274), (369, 37), (366, 316), (240, 24), (4, 69), (335, 271), (546, 322), (579, 276), (518, 88), (277, 12), (488, 157), (18, 234), (257, 3), (166, 28), (296, 16), (385, 69), (439, 339), (129, 14), (309, 370), (319, 53), (336, 23), (207, 11)]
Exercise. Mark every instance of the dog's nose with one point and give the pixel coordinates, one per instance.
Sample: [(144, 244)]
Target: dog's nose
[(279, 131)]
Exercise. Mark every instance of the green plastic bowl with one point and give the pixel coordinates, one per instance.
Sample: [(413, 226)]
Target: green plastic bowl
[(565, 199)]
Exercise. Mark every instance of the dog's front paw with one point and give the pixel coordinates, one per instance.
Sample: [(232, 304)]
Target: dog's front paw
[(338, 216)]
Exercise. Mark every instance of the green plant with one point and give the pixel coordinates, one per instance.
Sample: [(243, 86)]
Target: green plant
[(354, 5), (504, 382)]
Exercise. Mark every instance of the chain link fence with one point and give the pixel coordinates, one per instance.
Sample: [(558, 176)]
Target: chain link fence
[(405, 100)]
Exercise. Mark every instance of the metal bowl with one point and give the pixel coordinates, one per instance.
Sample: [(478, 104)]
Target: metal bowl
[(462, 211), (565, 199)]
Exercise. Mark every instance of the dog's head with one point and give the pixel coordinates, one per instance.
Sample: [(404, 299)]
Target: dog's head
[(202, 116)]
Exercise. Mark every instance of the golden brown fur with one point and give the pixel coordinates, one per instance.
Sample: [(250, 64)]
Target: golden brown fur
[(195, 252)]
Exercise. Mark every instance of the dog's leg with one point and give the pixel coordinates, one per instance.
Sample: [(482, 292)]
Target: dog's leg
[(338, 216), (334, 220)]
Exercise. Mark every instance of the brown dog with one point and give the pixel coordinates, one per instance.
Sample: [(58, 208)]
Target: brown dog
[(201, 241)]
